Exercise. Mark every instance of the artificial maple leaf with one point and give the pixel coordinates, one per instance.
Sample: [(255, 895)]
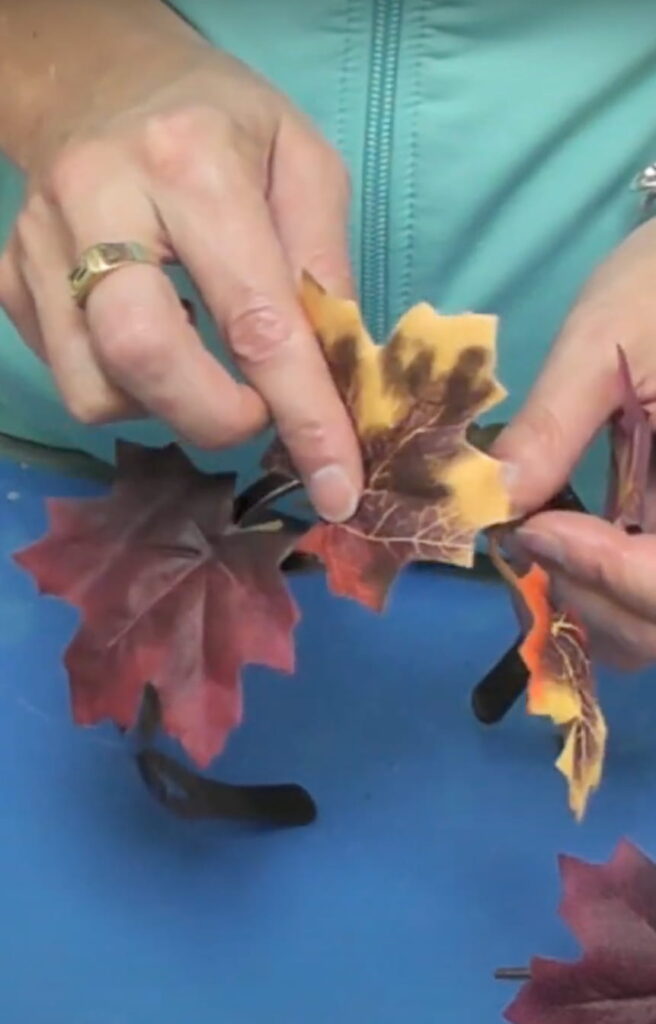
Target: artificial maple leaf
[(631, 444), (555, 647), (611, 909), (427, 490), (172, 591), (561, 684)]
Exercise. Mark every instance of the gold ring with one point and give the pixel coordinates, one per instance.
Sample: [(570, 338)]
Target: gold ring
[(99, 260)]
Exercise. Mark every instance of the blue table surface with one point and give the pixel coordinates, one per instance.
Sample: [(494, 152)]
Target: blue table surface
[(433, 860)]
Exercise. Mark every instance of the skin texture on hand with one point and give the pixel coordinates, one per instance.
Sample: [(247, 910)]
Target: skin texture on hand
[(606, 576), (182, 148)]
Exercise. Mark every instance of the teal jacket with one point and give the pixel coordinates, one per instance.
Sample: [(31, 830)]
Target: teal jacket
[(491, 145)]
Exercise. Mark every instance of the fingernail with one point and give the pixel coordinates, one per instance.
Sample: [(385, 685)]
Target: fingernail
[(332, 493), (543, 546)]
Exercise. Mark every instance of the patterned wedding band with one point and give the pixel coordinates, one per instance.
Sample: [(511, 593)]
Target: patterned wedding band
[(99, 260)]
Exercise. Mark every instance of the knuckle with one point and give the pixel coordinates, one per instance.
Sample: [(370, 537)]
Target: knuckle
[(606, 570), (327, 265), (307, 436), (30, 219), (258, 333), (173, 142), (134, 349), (546, 426)]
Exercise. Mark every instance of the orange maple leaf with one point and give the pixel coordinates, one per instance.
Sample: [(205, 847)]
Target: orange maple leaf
[(561, 684)]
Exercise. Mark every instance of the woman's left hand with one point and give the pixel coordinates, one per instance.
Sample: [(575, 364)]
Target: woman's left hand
[(603, 574)]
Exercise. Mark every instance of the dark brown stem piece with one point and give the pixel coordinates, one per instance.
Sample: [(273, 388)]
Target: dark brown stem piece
[(194, 797), (512, 974), (298, 562), (567, 500), (251, 504), (191, 796), (502, 686)]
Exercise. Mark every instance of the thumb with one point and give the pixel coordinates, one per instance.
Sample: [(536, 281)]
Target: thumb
[(595, 555), (575, 394)]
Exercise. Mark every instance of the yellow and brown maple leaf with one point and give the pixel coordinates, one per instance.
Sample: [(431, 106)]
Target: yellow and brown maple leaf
[(427, 492), (561, 685)]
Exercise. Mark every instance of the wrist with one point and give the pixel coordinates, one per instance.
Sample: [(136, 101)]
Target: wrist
[(67, 67)]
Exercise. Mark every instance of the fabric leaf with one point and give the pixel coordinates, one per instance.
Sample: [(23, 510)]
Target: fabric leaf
[(171, 591), (427, 490), (611, 909), (561, 685), (555, 647), (631, 442)]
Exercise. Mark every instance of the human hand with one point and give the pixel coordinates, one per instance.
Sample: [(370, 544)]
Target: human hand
[(203, 162), (603, 574)]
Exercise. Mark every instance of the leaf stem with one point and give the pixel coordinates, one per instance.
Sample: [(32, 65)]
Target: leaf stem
[(512, 974), (504, 684), (251, 503), (193, 797)]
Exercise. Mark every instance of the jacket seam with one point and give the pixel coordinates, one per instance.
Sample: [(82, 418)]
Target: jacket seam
[(410, 203)]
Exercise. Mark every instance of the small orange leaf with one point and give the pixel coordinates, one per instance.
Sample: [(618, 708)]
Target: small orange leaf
[(561, 685), (427, 491)]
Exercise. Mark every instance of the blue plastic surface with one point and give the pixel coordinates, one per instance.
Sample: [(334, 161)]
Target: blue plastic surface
[(432, 862)]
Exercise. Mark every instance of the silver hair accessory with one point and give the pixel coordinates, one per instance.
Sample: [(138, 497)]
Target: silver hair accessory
[(645, 182)]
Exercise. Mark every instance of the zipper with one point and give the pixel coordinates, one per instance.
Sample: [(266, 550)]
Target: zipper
[(379, 140)]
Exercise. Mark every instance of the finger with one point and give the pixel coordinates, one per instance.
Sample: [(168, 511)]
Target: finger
[(309, 202), (45, 261), (16, 299), (144, 340), (226, 238), (576, 392), (649, 508), (597, 555), (141, 334), (617, 637)]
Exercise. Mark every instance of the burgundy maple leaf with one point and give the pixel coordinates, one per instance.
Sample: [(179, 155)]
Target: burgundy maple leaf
[(611, 908), (172, 591)]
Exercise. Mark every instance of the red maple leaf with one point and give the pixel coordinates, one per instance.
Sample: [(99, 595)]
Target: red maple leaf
[(428, 492), (172, 591), (611, 909)]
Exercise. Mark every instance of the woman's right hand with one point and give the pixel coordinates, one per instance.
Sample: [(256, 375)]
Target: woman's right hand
[(194, 156)]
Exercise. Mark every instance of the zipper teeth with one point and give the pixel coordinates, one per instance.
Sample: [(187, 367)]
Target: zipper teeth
[(377, 164)]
